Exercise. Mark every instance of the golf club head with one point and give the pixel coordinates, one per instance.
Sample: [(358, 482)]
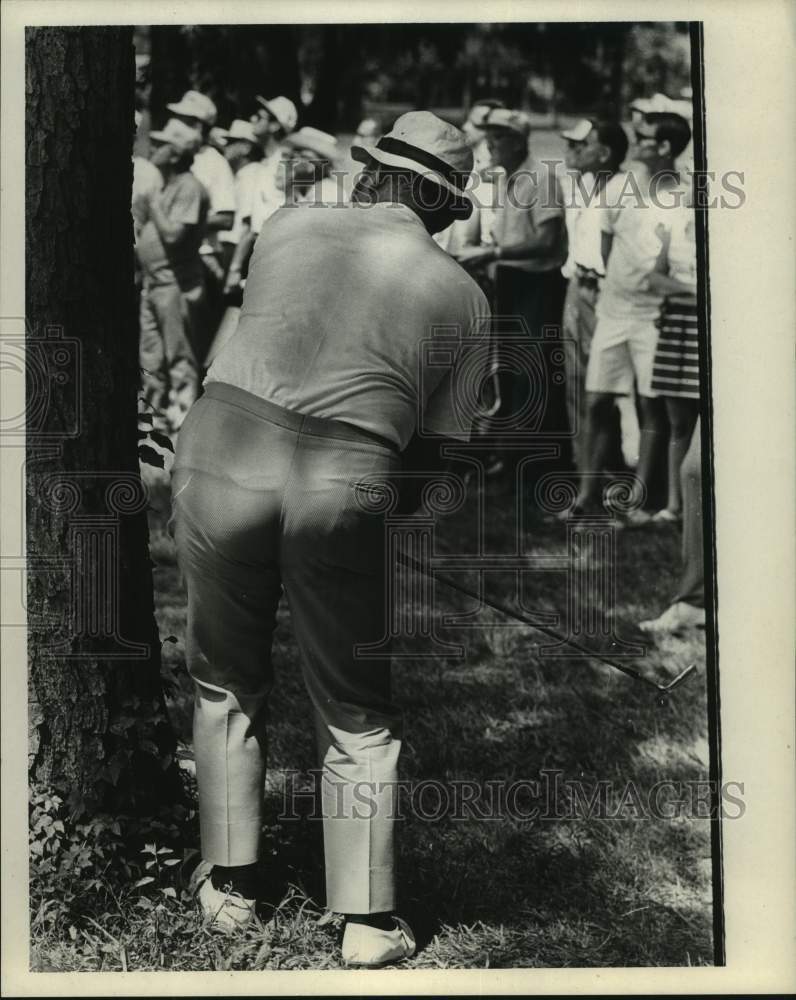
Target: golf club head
[(678, 680)]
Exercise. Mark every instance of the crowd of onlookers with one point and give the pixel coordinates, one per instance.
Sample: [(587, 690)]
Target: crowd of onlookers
[(605, 255)]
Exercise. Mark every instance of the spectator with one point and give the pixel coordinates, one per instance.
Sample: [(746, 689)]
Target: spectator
[(213, 171), (306, 170), (623, 346), (525, 258), (275, 119), (473, 128), (209, 165), (477, 230), (595, 152), (243, 153), (173, 295), (675, 375)]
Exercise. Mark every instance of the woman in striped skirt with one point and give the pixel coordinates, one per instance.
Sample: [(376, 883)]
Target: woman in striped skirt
[(675, 375)]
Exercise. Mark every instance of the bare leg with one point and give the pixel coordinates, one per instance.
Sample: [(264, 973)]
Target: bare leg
[(652, 422), (682, 415)]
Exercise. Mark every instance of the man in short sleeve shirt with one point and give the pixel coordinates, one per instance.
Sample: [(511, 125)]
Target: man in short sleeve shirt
[(173, 295), (528, 250), (211, 169), (315, 396), (350, 340)]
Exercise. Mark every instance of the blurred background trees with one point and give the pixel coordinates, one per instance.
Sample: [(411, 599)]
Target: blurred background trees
[(337, 72)]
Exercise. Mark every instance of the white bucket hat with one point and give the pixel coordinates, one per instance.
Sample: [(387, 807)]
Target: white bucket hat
[(315, 140), (281, 108), (179, 135), (429, 146), (239, 130), (195, 105)]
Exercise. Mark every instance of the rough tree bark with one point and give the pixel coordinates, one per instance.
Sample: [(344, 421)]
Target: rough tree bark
[(98, 730)]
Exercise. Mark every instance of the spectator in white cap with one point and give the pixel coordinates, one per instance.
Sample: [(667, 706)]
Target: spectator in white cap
[(209, 165), (243, 153), (529, 246), (173, 295), (320, 389), (476, 231), (275, 118), (306, 173), (662, 104), (214, 172)]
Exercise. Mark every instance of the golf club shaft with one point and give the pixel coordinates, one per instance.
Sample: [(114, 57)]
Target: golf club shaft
[(522, 619)]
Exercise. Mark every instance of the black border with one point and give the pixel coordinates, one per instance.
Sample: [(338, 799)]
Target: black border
[(696, 32)]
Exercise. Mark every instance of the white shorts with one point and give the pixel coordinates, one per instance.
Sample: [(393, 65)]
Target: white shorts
[(622, 351)]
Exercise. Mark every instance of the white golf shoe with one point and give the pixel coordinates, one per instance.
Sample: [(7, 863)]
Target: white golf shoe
[(678, 617), (226, 910), (370, 947)]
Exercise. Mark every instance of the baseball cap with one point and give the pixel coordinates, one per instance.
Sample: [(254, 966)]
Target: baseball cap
[(195, 105), (179, 135), (579, 130), (283, 109), (429, 146), (514, 121), (239, 130)]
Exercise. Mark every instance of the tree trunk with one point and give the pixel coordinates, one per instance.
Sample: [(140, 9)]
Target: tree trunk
[(97, 723)]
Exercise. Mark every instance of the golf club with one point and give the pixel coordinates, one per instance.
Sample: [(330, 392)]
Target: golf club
[(662, 689)]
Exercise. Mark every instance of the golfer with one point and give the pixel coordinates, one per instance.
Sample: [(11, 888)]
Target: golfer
[(321, 387)]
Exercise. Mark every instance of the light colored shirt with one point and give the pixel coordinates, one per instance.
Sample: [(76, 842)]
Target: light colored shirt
[(246, 180), (681, 253), (183, 200), (529, 198), (266, 195), (211, 169), (147, 180), (572, 186), (637, 225), (338, 316), (585, 227)]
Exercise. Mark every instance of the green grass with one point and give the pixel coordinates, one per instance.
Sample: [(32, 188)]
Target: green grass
[(497, 893)]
